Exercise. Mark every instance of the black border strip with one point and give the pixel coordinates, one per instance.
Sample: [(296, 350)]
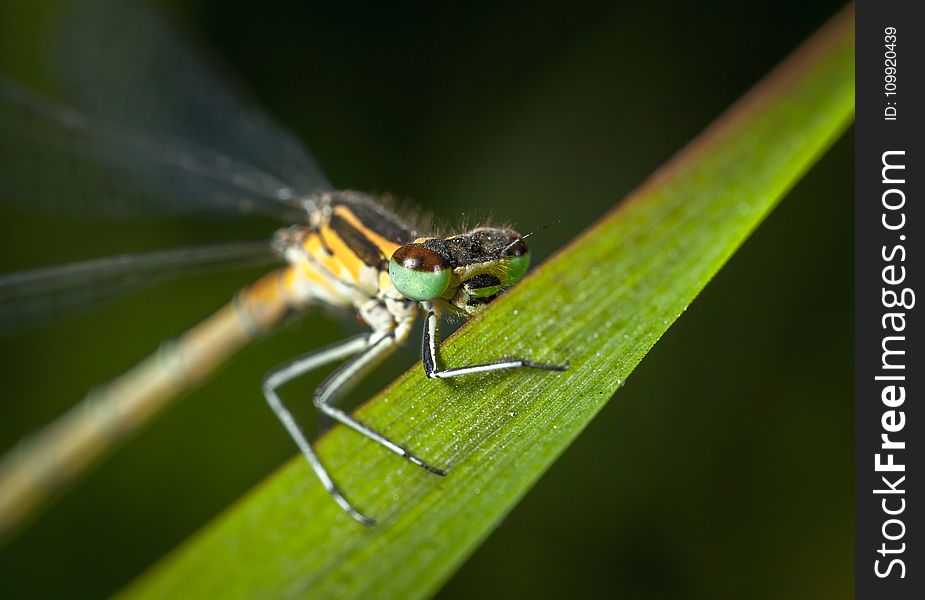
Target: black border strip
[(890, 368)]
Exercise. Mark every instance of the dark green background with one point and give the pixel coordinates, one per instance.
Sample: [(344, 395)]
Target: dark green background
[(724, 468)]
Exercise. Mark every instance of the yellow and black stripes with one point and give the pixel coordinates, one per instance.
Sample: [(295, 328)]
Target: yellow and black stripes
[(351, 241)]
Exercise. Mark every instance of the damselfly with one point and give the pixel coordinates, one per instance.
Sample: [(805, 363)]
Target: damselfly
[(189, 144)]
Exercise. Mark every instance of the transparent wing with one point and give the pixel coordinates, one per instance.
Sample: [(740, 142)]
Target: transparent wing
[(57, 158), (121, 60), (29, 297)]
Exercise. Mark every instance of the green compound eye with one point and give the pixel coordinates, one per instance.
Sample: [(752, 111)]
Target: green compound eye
[(516, 268), (419, 273), (418, 285)]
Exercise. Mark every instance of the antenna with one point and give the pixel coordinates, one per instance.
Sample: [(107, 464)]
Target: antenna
[(523, 237)]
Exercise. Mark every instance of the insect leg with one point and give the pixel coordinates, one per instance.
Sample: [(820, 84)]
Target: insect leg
[(294, 369), (429, 355), (344, 378)]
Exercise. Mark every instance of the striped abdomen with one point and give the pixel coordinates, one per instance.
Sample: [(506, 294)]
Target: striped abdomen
[(342, 257), (49, 460)]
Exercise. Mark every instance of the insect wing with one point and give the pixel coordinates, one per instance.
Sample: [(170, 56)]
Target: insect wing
[(123, 61), (33, 296), (145, 125), (55, 158)]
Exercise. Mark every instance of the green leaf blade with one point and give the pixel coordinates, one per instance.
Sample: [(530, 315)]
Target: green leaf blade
[(600, 303)]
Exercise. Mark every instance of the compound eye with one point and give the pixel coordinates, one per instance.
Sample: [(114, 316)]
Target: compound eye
[(419, 273), (516, 267), (515, 258)]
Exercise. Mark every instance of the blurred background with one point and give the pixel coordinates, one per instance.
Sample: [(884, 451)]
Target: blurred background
[(723, 470)]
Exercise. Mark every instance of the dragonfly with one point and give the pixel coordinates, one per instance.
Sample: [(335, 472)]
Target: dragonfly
[(156, 128)]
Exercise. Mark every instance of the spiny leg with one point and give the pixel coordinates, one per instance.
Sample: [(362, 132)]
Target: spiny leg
[(429, 356), (294, 369), (344, 378)]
